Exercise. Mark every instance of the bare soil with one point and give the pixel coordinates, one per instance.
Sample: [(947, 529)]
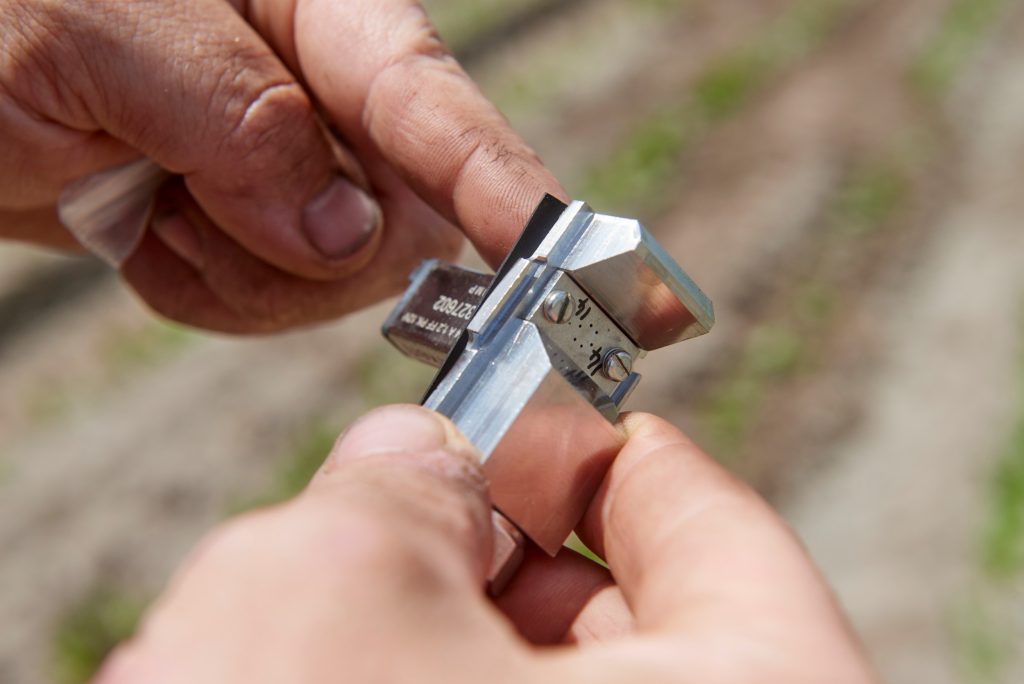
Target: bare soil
[(122, 442)]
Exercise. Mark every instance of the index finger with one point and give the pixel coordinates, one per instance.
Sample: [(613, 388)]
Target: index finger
[(388, 82), (689, 544)]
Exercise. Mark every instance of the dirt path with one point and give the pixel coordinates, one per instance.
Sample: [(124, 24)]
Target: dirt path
[(894, 519), (89, 504), (123, 469), (121, 442), (752, 219)]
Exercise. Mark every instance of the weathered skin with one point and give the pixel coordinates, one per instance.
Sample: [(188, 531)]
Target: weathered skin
[(272, 223)]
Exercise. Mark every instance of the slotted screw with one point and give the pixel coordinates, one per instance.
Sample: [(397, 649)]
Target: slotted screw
[(618, 364), (558, 306)]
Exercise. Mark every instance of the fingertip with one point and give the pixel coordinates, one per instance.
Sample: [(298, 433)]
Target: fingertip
[(649, 436), (413, 467), (640, 425), (645, 434), (659, 479), (417, 109), (498, 192)]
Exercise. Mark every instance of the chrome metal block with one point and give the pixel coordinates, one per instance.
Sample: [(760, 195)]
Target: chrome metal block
[(538, 375)]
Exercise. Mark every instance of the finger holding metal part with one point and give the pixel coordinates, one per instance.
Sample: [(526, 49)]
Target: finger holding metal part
[(536, 375)]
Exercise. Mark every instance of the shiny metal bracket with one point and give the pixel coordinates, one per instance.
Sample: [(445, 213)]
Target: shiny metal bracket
[(539, 363)]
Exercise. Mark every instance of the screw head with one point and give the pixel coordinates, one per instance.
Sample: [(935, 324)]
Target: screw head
[(558, 306), (618, 364)]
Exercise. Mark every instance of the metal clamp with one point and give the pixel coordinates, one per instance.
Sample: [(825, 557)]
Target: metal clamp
[(539, 362)]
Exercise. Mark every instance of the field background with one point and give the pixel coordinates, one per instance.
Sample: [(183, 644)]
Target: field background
[(845, 178)]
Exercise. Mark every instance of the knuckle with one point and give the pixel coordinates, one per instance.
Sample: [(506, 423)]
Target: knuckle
[(444, 509), (441, 498), (363, 542), (409, 562), (395, 511), (372, 546), (402, 113), (397, 102), (269, 120), (485, 146), (418, 54)]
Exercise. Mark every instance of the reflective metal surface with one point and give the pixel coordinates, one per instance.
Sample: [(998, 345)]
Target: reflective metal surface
[(546, 363), (434, 311), (509, 550), (621, 266)]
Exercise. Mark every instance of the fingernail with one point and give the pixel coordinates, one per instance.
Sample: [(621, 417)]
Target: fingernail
[(402, 429), (341, 219), (180, 236)]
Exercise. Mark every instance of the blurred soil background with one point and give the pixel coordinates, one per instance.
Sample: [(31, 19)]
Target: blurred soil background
[(845, 178)]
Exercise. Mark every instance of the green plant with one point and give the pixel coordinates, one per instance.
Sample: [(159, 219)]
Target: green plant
[(983, 647), (577, 545), (960, 34), (868, 198), (460, 21), (638, 170), (1003, 540), (145, 347), (772, 354), (295, 468), (383, 376), (106, 616)]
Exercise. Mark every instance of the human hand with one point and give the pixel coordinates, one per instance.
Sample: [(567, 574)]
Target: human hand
[(375, 573), (271, 223)]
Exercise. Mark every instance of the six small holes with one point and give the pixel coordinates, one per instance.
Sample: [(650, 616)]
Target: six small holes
[(583, 345)]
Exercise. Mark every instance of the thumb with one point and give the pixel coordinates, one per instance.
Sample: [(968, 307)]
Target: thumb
[(411, 471), (410, 103), (191, 85), (387, 546)]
